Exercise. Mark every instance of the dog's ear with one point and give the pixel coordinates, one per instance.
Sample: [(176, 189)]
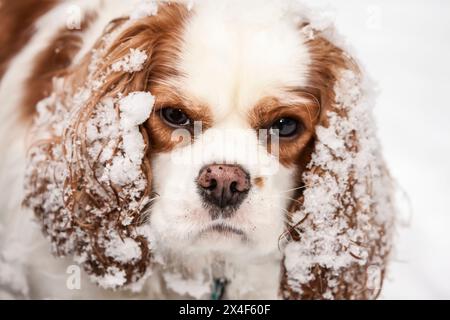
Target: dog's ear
[(89, 176), (341, 224)]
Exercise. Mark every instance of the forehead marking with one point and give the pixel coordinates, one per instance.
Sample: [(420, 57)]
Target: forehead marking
[(230, 62)]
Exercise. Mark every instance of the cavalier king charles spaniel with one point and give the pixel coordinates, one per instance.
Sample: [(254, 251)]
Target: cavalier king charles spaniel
[(202, 149)]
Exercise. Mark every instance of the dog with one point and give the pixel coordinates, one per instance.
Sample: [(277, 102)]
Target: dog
[(213, 149)]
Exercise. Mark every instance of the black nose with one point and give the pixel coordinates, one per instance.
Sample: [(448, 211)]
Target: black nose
[(224, 186)]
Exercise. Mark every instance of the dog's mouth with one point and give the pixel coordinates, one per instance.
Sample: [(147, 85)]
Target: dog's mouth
[(223, 230)]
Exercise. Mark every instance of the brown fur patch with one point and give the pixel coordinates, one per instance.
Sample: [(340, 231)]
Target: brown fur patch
[(307, 113), (327, 61), (17, 18), (259, 182), (160, 132), (52, 62)]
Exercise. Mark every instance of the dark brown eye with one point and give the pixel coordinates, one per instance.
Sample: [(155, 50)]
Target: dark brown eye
[(175, 117), (287, 127)]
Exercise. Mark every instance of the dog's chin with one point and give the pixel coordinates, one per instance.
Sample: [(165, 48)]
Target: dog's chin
[(195, 231), (213, 239), (221, 242), (222, 238)]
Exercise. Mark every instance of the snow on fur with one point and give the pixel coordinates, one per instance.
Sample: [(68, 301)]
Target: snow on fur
[(133, 62), (72, 163), (134, 110), (145, 8), (346, 204)]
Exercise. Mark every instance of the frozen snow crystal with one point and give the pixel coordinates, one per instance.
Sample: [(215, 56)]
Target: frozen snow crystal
[(113, 278), (133, 62), (123, 250), (145, 8), (134, 110)]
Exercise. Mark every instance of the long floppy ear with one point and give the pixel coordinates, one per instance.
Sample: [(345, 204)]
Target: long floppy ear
[(341, 225), (89, 176)]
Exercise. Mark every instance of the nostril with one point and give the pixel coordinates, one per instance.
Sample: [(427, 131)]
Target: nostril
[(233, 187), (212, 184)]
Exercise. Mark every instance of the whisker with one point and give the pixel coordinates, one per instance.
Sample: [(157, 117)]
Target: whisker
[(288, 198), (286, 232), (145, 213), (284, 209), (293, 189), (299, 188)]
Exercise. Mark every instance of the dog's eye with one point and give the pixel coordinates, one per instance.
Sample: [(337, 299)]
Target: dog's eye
[(175, 117), (287, 127)]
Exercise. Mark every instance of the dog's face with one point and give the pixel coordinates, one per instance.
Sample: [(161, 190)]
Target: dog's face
[(228, 133)]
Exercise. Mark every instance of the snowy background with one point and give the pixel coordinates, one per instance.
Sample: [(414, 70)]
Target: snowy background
[(405, 46)]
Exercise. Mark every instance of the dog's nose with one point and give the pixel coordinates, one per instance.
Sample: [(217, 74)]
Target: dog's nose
[(223, 185)]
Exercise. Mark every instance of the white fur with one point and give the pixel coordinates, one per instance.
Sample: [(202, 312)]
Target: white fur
[(232, 56)]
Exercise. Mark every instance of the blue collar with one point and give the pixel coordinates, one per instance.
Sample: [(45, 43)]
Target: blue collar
[(218, 288)]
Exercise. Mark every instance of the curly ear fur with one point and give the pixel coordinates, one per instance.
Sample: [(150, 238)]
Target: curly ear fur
[(341, 224), (82, 210)]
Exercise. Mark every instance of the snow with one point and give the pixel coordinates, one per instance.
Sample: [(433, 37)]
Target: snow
[(134, 109), (409, 61), (145, 8), (190, 4), (123, 250), (133, 62), (113, 278), (194, 287)]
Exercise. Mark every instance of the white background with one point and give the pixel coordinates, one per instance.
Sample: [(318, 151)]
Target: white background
[(405, 46)]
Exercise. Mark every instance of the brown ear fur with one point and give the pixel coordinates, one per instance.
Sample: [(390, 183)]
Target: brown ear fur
[(353, 280), (81, 213), (17, 20), (52, 62)]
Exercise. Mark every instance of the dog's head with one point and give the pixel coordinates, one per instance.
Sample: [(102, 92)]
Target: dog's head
[(230, 130), (216, 129)]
